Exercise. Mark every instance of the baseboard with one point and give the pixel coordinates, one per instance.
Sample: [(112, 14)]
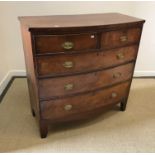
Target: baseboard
[(5, 81), (144, 74)]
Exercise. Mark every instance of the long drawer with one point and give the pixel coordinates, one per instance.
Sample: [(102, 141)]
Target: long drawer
[(66, 107), (66, 64), (61, 86)]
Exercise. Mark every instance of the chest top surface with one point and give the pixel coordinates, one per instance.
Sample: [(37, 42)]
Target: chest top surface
[(81, 20)]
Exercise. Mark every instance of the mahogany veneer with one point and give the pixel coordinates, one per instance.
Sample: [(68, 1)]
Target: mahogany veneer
[(78, 65)]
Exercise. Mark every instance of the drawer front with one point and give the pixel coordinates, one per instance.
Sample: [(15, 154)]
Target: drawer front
[(60, 108), (119, 38), (81, 83), (65, 64), (65, 43)]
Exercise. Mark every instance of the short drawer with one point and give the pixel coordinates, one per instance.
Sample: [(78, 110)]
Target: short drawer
[(113, 39), (61, 108), (66, 64), (61, 86), (65, 43)]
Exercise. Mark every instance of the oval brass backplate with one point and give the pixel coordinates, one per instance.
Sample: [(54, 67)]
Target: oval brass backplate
[(116, 75), (68, 64), (114, 95), (124, 38), (69, 86), (120, 56), (68, 45), (68, 107)]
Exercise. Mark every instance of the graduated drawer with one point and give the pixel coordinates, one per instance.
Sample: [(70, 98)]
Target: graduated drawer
[(65, 64), (61, 86), (65, 107), (119, 38), (65, 43)]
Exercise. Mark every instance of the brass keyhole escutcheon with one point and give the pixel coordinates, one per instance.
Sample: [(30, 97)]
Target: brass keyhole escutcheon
[(68, 45), (92, 36)]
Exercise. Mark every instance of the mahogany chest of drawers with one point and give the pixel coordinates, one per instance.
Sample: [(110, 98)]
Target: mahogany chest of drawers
[(78, 65)]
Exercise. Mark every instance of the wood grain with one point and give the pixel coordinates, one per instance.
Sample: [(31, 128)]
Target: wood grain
[(115, 38), (54, 109), (49, 66), (53, 43), (83, 20), (53, 87)]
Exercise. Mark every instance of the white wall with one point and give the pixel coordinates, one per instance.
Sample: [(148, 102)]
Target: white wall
[(4, 64), (9, 12), (11, 51), (146, 58), (3, 60)]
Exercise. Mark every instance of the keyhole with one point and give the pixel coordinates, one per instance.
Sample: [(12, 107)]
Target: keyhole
[(92, 36)]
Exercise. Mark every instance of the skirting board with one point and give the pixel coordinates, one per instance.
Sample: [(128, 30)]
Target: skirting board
[(8, 77), (13, 73), (144, 74)]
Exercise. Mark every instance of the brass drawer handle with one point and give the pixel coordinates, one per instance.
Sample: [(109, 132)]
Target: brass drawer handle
[(69, 86), (117, 75), (124, 38), (114, 95), (120, 56), (68, 45), (68, 64), (68, 107)]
